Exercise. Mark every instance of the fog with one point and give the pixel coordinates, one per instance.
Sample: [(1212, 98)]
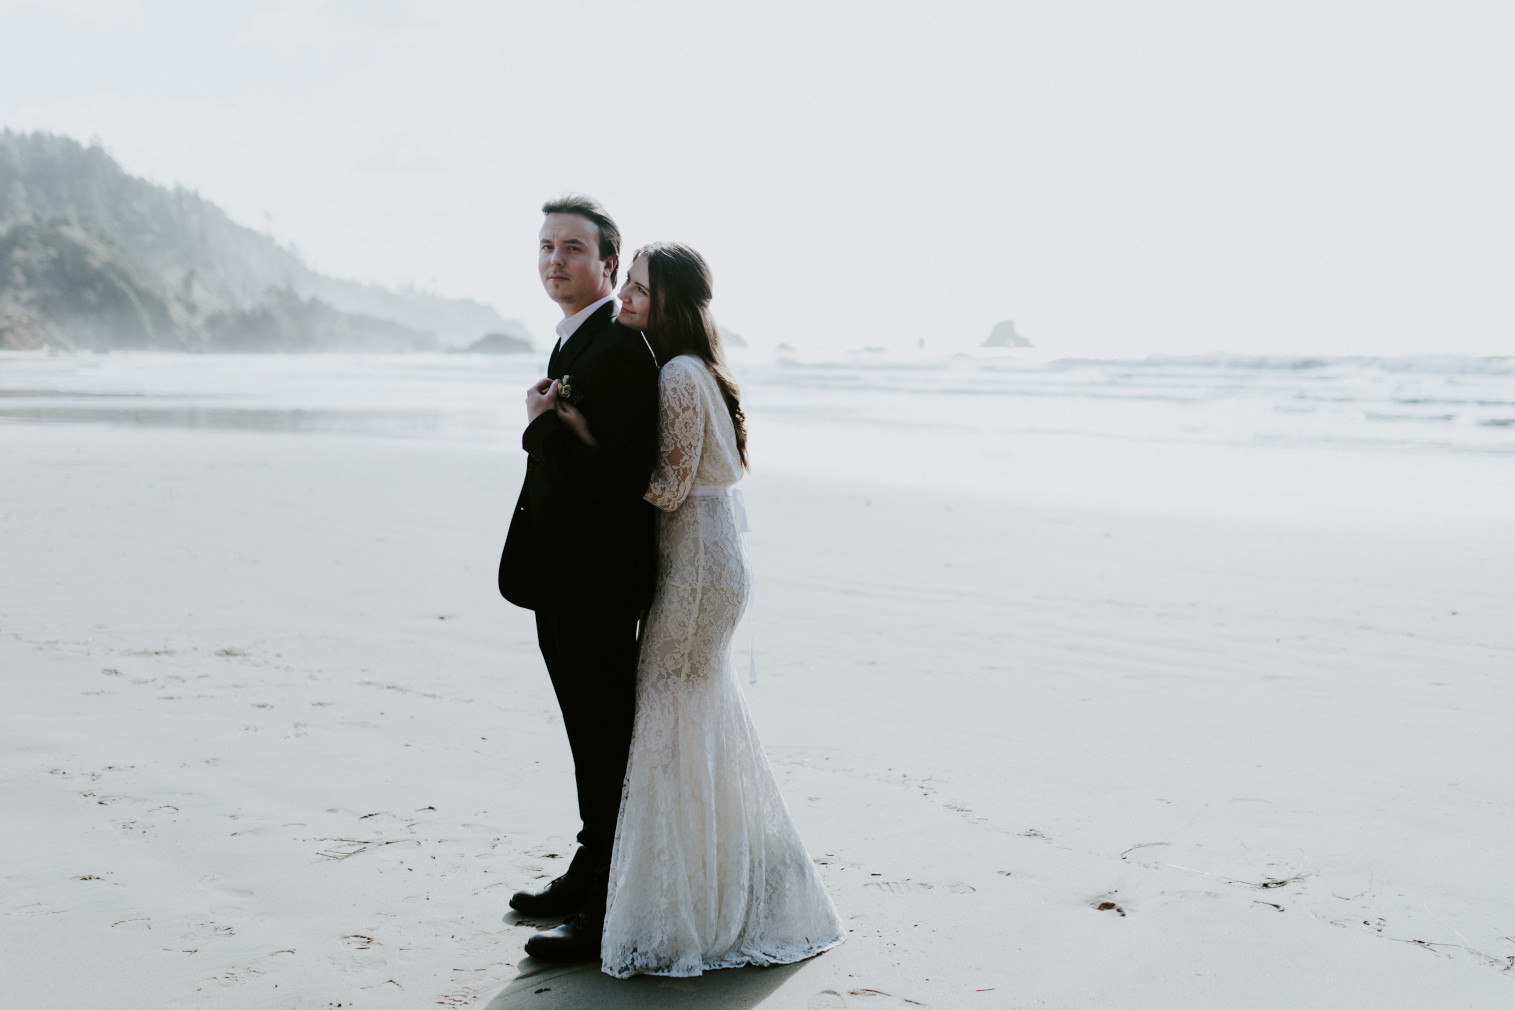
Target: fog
[(1118, 179)]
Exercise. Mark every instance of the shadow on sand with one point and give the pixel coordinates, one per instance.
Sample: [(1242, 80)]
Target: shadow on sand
[(545, 986)]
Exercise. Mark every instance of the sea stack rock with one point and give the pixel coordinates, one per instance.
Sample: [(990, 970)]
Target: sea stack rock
[(499, 343), (1004, 335)]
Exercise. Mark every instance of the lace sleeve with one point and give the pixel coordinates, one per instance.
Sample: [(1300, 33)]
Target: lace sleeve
[(681, 428)]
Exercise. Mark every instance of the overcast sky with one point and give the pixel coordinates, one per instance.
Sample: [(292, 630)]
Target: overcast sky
[(1119, 178)]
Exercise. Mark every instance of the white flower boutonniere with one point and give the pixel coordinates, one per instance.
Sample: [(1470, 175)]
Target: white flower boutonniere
[(567, 393)]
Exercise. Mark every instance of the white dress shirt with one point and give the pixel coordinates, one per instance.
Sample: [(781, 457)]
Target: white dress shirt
[(569, 326)]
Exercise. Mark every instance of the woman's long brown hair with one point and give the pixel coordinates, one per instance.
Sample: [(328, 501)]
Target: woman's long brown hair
[(679, 321)]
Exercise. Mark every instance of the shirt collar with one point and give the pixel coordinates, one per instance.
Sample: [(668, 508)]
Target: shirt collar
[(569, 326)]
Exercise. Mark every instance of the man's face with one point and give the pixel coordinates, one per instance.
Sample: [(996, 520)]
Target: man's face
[(568, 260)]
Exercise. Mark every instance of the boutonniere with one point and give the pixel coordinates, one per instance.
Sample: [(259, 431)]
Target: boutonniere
[(567, 393)]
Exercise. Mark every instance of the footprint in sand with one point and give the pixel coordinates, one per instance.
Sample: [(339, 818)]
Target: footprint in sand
[(362, 954), (460, 996), (918, 887), (237, 975), (831, 999)]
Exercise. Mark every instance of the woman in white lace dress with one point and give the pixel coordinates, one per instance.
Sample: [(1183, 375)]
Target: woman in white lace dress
[(708, 870)]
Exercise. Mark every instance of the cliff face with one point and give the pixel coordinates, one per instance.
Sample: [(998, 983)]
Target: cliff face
[(87, 291), (93, 257)]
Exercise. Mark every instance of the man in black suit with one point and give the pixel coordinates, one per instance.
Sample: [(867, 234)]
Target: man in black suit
[(580, 547)]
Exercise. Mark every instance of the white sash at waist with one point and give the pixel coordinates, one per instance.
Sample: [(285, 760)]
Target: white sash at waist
[(729, 491)]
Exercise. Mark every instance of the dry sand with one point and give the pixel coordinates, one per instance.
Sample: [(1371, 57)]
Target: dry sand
[(271, 740)]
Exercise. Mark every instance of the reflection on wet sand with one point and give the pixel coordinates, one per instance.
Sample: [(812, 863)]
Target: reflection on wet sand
[(44, 394), (386, 423)]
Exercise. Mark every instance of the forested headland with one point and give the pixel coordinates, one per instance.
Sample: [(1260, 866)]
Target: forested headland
[(92, 257)]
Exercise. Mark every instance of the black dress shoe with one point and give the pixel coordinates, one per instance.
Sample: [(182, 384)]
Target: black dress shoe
[(562, 896), (578, 939)]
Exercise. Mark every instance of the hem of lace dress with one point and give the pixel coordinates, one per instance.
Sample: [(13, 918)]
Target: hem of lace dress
[(756, 959)]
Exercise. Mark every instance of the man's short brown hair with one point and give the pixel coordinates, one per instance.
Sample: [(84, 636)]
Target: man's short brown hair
[(588, 207)]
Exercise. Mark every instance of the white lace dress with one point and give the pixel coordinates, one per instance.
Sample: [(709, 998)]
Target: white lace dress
[(708, 870)]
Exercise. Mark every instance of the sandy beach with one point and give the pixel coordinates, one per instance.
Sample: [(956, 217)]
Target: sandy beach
[(272, 740), (1129, 392)]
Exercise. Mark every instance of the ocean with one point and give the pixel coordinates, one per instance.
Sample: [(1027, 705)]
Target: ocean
[(1194, 431)]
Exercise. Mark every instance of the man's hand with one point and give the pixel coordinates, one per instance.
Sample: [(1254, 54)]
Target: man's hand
[(541, 398)]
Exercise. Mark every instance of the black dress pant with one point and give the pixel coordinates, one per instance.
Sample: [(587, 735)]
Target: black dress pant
[(592, 660)]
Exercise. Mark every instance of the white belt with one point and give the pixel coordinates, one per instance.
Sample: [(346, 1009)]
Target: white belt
[(729, 491)]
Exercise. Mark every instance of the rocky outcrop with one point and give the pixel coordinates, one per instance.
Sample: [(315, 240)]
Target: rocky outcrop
[(499, 343), (1004, 335)]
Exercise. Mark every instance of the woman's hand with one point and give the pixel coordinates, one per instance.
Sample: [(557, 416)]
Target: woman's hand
[(573, 418)]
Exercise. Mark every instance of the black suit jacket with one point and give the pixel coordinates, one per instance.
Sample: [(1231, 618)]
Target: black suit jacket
[(582, 537)]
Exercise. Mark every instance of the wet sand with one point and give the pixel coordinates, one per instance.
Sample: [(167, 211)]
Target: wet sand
[(272, 740)]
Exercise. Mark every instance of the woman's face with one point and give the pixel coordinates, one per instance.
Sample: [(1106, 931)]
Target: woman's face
[(636, 296)]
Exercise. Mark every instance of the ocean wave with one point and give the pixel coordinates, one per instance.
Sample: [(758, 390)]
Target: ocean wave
[(1427, 364), (1177, 367)]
